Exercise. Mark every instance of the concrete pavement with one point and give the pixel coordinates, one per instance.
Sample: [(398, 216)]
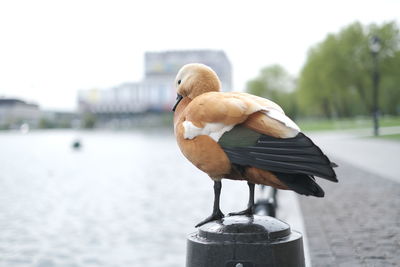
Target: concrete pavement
[(379, 156), (358, 221)]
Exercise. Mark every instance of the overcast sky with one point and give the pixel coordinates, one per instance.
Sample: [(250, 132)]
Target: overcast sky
[(51, 49)]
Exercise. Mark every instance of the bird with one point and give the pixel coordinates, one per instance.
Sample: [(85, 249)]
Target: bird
[(240, 136)]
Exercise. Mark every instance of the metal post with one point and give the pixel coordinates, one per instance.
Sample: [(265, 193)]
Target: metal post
[(375, 46), (267, 205), (375, 80), (241, 241)]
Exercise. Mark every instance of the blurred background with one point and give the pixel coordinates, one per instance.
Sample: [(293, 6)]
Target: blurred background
[(90, 174)]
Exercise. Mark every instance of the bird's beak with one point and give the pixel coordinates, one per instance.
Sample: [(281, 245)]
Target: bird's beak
[(178, 99)]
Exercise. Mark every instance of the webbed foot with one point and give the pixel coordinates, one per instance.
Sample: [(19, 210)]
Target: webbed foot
[(248, 212), (215, 216)]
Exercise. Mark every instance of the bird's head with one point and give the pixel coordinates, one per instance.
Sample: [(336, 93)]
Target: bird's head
[(195, 79)]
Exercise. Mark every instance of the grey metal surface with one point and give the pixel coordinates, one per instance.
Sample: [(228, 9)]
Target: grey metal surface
[(258, 241)]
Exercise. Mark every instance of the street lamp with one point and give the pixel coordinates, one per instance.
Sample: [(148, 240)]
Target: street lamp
[(375, 47)]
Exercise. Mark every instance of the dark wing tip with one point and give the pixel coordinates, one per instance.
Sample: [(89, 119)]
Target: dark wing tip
[(318, 192), (285, 155), (302, 184)]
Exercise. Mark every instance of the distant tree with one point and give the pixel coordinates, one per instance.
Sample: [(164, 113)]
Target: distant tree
[(276, 84), (46, 124), (336, 79), (89, 120)]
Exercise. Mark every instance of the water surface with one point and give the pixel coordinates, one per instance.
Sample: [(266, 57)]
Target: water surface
[(124, 199)]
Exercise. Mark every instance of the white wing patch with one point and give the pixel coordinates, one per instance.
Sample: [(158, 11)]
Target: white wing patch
[(277, 115), (213, 129)]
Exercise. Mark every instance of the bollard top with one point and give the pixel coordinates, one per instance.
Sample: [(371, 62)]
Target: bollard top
[(245, 229)]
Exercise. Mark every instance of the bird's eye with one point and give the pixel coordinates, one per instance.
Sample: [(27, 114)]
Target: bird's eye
[(179, 82)]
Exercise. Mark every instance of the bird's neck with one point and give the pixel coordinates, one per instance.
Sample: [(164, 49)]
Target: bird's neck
[(179, 111)]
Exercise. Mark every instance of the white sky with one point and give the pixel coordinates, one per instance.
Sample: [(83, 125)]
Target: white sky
[(51, 49)]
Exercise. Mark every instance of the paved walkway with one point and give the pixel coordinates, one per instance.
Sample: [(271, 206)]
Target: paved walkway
[(358, 222), (378, 156)]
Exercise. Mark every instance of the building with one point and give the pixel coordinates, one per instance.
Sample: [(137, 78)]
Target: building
[(15, 112), (58, 119), (156, 92), (162, 67)]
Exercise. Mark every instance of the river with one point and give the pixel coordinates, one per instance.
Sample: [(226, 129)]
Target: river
[(123, 199)]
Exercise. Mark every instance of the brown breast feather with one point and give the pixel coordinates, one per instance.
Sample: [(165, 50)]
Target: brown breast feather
[(202, 151), (206, 154)]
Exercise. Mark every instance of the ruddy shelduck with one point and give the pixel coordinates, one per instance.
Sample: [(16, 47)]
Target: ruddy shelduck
[(240, 136)]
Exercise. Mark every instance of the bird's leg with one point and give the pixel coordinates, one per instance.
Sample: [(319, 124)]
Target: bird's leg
[(250, 206), (217, 213)]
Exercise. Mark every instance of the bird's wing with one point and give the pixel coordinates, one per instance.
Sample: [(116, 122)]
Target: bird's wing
[(295, 155), (215, 113)]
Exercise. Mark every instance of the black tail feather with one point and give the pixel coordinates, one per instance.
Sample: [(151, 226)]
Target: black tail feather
[(301, 183), (334, 165), (297, 155)]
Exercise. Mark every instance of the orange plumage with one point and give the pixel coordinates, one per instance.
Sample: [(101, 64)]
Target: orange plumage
[(243, 137)]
